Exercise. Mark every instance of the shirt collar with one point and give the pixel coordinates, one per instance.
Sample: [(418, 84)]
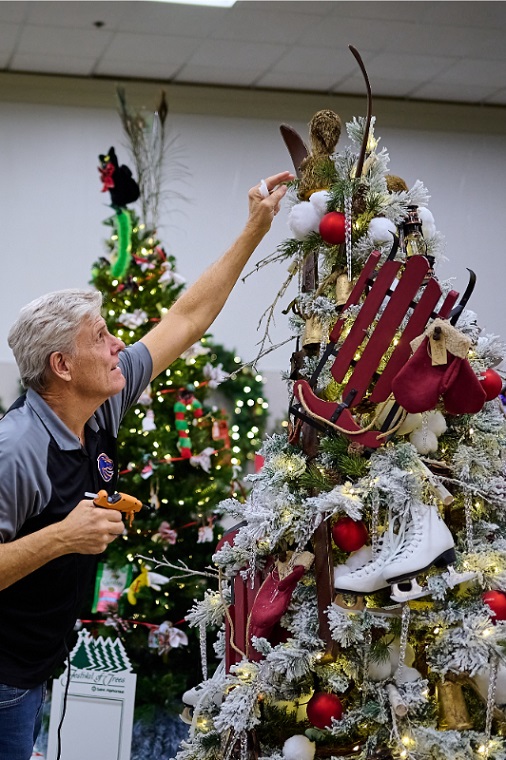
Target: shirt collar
[(65, 438)]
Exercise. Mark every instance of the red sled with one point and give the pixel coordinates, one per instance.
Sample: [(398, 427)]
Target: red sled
[(412, 296)]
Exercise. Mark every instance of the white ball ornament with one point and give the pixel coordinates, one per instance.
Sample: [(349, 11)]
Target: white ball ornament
[(425, 437), (304, 218), (319, 201), (436, 422), (424, 440), (395, 649), (406, 675), (298, 747), (380, 230), (410, 423), (482, 682), (380, 671)]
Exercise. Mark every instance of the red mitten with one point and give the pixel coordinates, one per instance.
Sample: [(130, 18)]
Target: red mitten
[(438, 368), (272, 602), (465, 395), (418, 385)]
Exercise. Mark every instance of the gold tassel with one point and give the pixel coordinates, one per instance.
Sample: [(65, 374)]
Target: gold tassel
[(453, 714)]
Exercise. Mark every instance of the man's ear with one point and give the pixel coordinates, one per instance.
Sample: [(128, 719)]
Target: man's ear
[(60, 366)]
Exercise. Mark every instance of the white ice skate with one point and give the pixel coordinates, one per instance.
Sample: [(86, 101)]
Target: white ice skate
[(369, 578), (428, 542)]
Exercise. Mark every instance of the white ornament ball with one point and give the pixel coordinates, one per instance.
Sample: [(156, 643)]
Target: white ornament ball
[(395, 648), (303, 219), (380, 230), (319, 201), (424, 441), (411, 423), (298, 747), (482, 681), (380, 671), (436, 422), (407, 675)]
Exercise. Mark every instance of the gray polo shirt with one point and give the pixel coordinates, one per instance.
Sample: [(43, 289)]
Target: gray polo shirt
[(44, 473)]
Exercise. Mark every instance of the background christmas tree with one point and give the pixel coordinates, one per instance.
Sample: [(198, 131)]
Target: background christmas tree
[(367, 573), (182, 448)]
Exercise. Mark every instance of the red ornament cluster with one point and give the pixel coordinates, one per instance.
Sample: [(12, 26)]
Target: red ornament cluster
[(349, 535), (332, 228), (322, 707)]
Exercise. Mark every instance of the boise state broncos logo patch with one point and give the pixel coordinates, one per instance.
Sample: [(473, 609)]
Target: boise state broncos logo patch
[(105, 467)]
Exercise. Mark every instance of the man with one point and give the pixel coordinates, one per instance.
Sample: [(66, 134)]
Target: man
[(57, 442)]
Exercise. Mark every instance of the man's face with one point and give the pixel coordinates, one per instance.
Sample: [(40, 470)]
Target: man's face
[(95, 364)]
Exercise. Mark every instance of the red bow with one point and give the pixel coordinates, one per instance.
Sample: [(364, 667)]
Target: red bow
[(106, 176)]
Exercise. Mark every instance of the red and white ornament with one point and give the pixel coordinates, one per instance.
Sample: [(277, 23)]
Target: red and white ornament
[(349, 535), (322, 707), (492, 383), (333, 228)]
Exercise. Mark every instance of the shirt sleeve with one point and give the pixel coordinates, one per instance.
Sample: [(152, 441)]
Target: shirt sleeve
[(24, 485), (136, 366)]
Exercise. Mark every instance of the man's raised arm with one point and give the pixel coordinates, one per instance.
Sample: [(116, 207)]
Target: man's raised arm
[(191, 315)]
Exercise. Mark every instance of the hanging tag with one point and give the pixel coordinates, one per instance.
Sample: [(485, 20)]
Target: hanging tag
[(438, 349)]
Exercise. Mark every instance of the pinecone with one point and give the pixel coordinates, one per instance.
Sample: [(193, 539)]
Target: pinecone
[(358, 205)]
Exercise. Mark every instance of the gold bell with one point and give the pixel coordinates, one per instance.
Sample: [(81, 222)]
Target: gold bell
[(453, 714), (343, 289), (313, 332)]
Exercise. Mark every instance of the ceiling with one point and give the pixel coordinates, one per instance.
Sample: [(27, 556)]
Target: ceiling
[(443, 51)]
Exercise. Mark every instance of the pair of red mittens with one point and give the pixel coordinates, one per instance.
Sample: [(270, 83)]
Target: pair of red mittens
[(439, 370)]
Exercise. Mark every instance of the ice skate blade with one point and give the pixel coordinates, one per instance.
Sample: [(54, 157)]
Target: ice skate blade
[(448, 557), (453, 578), (356, 604), (415, 592)]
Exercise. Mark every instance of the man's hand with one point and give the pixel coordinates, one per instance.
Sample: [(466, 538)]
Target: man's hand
[(86, 530), (89, 529), (263, 209)]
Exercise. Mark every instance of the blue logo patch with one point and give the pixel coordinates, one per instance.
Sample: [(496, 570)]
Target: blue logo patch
[(105, 467)]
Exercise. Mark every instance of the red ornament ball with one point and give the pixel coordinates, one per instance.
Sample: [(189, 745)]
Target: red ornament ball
[(496, 600), (491, 382), (332, 228), (349, 535), (322, 707)]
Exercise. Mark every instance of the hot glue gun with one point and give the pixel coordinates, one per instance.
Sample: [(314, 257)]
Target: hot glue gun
[(122, 502)]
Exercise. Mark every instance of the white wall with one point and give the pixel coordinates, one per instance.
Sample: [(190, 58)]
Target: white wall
[(51, 208)]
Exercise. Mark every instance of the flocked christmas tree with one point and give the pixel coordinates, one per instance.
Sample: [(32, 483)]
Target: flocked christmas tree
[(362, 596), (182, 448)]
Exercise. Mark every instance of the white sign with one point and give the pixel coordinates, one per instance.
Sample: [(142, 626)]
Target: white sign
[(98, 702)]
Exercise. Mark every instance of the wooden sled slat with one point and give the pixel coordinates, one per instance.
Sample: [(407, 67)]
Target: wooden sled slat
[(366, 315), (384, 332), (416, 325)]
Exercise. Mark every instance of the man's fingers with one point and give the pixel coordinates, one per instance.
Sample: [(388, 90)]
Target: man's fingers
[(113, 515), (276, 179)]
